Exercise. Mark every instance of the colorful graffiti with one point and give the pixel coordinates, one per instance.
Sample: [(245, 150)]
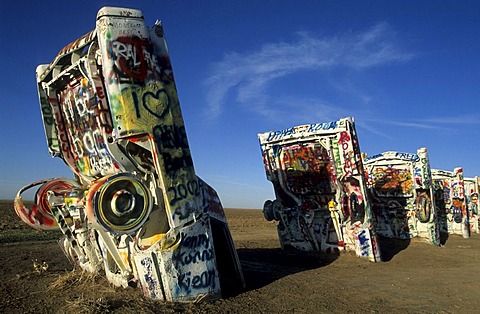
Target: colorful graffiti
[(317, 175), (471, 195), (452, 207), (137, 210), (307, 169), (399, 186), (392, 181)]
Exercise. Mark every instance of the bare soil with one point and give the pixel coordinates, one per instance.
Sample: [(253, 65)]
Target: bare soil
[(416, 278)]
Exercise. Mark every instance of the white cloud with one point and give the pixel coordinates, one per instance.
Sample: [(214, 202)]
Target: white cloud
[(430, 123), (247, 76), (468, 119), (418, 125)]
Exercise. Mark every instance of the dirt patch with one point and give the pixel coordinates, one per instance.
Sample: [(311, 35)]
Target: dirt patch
[(418, 278)]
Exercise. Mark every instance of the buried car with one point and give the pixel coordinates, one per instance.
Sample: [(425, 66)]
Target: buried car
[(318, 177), (401, 191), (136, 210)]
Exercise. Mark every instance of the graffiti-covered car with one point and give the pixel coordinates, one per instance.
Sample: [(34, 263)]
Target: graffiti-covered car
[(472, 186), (318, 177), (136, 209), (449, 187), (401, 191)]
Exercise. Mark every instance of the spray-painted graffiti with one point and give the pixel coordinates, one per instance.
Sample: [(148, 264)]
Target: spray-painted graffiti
[(149, 277), (452, 207), (303, 129), (132, 57), (363, 239), (183, 191), (471, 186), (193, 250), (347, 147), (115, 119), (78, 107), (206, 279), (401, 193), (308, 169), (390, 181), (317, 174), (423, 205), (194, 262), (353, 204)]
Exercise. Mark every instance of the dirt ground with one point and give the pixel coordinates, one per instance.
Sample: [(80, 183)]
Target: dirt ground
[(417, 278)]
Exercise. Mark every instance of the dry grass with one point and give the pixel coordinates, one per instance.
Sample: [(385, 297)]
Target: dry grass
[(97, 295), (81, 279)]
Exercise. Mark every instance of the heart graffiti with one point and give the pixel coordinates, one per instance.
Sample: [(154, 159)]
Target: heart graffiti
[(157, 104)]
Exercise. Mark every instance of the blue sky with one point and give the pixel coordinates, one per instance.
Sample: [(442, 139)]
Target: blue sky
[(407, 71)]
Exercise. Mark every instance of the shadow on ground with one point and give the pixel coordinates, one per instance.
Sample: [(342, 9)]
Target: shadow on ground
[(263, 266), (443, 237), (390, 247)]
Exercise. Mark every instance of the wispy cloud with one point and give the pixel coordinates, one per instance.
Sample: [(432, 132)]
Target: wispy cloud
[(430, 123), (470, 119), (444, 124), (247, 76), (412, 124)]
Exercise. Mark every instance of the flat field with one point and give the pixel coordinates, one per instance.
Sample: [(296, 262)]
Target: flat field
[(417, 278)]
